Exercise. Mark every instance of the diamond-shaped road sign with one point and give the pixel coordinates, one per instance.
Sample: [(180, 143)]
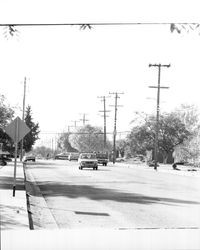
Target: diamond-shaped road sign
[(17, 129)]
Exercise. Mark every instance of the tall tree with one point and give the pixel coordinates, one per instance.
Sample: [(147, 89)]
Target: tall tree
[(32, 136), (64, 143), (6, 115), (89, 138), (189, 150), (172, 132)]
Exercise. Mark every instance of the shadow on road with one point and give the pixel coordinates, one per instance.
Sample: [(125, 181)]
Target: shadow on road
[(52, 189), (7, 183)]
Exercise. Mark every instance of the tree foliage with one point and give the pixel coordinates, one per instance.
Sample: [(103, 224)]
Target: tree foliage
[(6, 115), (189, 150), (42, 151), (172, 132), (64, 143), (32, 136), (89, 138)]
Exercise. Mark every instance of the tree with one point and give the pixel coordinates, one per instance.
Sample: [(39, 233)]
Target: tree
[(172, 132), (64, 143), (6, 115), (42, 151), (121, 147), (180, 27), (32, 136), (89, 138), (189, 150)]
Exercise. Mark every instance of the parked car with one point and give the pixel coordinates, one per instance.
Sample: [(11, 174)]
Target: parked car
[(73, 156), (88, 160), (3, 162), (28, 158), (152, 164), (62, 156), (102, 158)]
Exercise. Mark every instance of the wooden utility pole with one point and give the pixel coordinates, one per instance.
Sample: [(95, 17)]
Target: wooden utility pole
[(104, 116), (115, 124), (157, 109), (75, 122), (84, 120), (23, 111)]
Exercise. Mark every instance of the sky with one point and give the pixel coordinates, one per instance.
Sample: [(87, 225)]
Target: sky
[(68, 68)]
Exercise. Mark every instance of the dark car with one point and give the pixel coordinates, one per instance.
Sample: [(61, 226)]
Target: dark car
[(152, 164), (29, 158), (102, 158), (3, 162), (62, 156)]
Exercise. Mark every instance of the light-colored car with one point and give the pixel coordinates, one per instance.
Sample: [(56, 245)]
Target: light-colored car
[(73, 156), (88, 160)]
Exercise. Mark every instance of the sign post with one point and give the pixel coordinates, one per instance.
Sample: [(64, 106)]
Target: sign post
[(16, 146), (17, 129)]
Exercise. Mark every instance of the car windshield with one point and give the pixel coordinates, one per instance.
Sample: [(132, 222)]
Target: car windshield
[(88, 156)]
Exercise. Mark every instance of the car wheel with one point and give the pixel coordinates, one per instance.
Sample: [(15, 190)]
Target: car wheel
[(105, 164), (96, 168)]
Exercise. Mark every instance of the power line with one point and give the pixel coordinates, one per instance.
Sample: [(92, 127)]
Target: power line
[(89, 24), (157, 109)]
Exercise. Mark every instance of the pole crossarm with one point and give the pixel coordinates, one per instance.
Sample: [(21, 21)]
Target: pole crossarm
[(161, 87), (159, 65)]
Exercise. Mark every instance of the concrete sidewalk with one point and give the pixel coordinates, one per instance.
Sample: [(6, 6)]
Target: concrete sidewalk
[(13, 210)]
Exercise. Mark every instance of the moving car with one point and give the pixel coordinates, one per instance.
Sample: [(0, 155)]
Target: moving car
[(88, 160), (73, 156), (29, 158), (102, 158), (62, 156)]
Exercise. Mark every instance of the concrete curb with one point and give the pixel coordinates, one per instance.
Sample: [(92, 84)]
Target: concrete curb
[(40, 216)]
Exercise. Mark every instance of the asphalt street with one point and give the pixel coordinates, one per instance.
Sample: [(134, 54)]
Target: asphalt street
[(117, 197)]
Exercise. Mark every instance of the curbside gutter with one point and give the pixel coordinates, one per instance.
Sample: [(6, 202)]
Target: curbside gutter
[(40, 216)]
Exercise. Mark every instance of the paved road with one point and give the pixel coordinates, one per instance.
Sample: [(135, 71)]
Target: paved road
[(117, 197)]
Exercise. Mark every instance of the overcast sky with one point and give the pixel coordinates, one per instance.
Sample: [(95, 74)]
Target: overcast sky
[(67, 68)]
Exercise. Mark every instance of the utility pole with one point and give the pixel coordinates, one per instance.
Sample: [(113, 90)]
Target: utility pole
[(68, 129), (75, 121), (104, 115), (115, 123), (84, 119), (157, 109), (23, 111)]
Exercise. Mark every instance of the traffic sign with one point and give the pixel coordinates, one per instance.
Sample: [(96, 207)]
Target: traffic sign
[(17, 129)]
